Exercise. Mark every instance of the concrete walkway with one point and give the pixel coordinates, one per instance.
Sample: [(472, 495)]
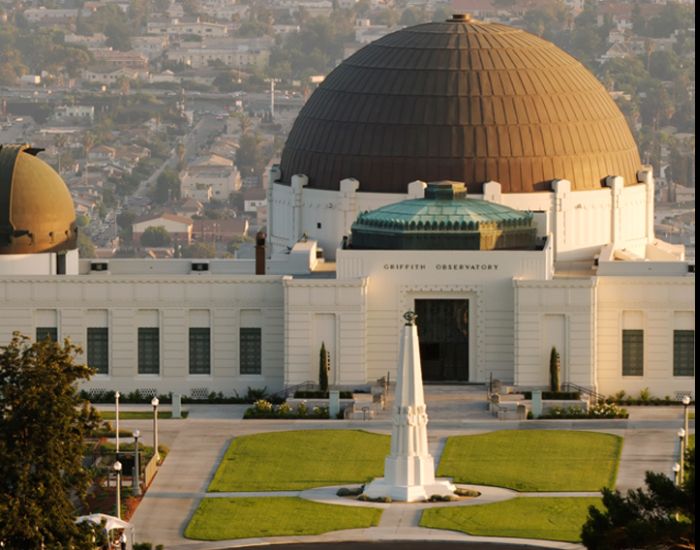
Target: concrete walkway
[(198, 443)]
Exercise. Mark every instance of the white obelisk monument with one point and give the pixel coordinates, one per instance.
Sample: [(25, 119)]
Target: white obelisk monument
[(409, 471)]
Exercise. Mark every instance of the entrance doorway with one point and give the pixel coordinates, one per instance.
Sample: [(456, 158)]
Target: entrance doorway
[(443, 333)]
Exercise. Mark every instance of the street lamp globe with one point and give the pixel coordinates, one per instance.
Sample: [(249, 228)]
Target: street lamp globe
[(686, 400), (117, 466), (155, 402), (681, 434)]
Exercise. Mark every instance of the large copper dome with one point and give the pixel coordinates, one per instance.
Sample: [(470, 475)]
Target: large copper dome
[(36, 209), (465, 101)]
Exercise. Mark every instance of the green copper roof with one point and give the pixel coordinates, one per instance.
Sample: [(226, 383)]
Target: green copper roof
[(444, 219)]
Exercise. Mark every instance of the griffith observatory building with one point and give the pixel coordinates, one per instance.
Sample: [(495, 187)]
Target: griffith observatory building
[(468, 171)]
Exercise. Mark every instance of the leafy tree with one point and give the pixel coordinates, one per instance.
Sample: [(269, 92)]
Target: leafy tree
[(199, 250), (674, 16), (156, 236), (124, 222), (250, 153), (663, 516), (408, 18), (43, 424), (663, 65), (86, 248), (167, 186)]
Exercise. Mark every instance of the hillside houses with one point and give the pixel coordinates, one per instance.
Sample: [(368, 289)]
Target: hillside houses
[(178, 227), (213, 177)]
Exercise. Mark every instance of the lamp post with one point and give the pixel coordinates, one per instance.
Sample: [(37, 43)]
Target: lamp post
[(686, 404), (676, 473), (681, 438), (154, 403), (117, 395), (118, 470), (136, 476)]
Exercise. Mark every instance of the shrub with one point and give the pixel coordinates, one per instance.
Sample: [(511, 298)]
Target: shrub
[(554, 369), (265, 409), (317, 394), (467, 492), (442, 498), (255, 394), (607, 410), (601, 410), (365, 498), (645, 395), (350, 492), (262, 406), (556, 395)]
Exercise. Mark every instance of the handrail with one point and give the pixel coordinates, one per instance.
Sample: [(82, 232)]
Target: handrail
[(586, 391), (287, 390)]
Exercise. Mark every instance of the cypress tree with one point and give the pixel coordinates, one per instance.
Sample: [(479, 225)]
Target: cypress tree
[(323, 368), (554, 369)]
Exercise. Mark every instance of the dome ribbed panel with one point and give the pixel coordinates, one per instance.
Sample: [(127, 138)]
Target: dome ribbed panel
[(459, 101)]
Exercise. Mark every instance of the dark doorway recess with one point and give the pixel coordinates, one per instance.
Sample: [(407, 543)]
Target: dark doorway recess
[(443, 332)]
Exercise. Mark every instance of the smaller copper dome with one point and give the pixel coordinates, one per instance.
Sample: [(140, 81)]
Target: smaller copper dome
[(444, 220), (36, 209)]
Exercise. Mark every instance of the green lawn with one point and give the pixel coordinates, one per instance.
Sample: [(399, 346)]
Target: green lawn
[(300, 460), (530, 518), (533, 460), (229, 518), (137, 415)]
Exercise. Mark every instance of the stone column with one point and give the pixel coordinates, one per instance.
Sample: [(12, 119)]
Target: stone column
[(492, 191), (416, 189), (646, 177), (348, 204), (274, 174), (616, 185), (562, 192), (299, 181)]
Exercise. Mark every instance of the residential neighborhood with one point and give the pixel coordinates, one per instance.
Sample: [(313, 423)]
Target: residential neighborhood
[(176, 108)]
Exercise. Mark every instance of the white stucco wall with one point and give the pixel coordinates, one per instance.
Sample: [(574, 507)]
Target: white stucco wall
[(662, 304), (397, 278), (127, 301), (559, 313), (328, 311), (582, 221)]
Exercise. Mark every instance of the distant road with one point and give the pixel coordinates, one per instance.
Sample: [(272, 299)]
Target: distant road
[(193, 141)]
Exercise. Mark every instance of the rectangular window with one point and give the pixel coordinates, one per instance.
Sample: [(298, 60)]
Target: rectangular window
[(98, 349), (251, 346), (633, 352), (42, 333), (683, 353), (149, 350), (200, 351)]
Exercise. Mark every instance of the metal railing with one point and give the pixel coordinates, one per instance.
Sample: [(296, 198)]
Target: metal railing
[(592, 395), (289, 390)]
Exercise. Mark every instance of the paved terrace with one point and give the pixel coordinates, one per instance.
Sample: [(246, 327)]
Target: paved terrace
[(198, 443)]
